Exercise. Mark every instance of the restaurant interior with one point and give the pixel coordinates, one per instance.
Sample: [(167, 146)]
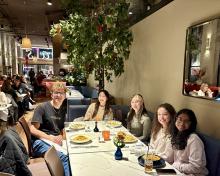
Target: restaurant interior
[(174, 53)]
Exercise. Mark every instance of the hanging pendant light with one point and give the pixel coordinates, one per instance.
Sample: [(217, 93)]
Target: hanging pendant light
[(26, 43)]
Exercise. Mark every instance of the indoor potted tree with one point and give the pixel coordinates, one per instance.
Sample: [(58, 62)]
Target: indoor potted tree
[(98, 40)]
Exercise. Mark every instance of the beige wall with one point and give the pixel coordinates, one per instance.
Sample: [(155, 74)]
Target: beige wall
[(155, 66)]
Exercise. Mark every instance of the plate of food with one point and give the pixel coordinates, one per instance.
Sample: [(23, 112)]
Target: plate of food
[(80, 138), (113, 123), (158, 162), (128, 138), (76, 126)]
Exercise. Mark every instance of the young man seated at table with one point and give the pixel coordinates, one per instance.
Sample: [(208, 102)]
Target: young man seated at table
[(48, 123)]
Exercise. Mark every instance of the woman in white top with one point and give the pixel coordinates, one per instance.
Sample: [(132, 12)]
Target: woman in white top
[(101, 109), (189, 154), (138, 122), (161, 129)]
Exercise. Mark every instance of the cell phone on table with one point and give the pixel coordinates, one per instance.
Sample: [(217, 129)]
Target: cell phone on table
[(166, 171)]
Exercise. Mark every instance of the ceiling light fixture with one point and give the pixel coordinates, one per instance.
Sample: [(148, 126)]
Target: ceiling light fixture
[(49, 3), (26, 42)]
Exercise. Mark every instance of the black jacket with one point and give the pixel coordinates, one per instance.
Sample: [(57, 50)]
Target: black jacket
[(11, 158)]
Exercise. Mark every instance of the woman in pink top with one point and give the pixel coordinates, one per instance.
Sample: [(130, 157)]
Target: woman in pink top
[(189, 154)]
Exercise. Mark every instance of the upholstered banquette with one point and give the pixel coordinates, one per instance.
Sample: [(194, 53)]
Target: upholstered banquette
[(212, 150)]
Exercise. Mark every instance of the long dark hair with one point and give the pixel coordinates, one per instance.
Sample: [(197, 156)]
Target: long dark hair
[(156, 126), (131, 113), (3, 127), (179, 138), (107, 105), (6, 86)]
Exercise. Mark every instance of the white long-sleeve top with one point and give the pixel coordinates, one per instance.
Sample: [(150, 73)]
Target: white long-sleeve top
[(162, 145), (192, 160)]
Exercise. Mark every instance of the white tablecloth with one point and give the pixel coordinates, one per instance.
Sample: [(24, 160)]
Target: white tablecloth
[(104, 164), (74, 94), (96, 144)]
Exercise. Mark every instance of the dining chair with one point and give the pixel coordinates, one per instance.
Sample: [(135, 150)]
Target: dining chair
[(23, 136), (53, 162), (5, 174), (27, 132)]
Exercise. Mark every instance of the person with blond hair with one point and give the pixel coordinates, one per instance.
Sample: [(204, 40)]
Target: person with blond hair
[(48, 124), (205, 91), (138, 122)]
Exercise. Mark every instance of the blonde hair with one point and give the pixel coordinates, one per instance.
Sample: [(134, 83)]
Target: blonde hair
[(58, 86)]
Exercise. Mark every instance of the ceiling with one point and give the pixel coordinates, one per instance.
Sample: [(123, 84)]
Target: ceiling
[(31, 17), (34, 17)]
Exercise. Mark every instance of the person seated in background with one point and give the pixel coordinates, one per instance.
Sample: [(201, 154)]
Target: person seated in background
[(101, 109), (205, 91), (28, 87), (12, 159), (22, 88), (161, 130), (138, 122), (12, 98), (189, 154), (47, 125)]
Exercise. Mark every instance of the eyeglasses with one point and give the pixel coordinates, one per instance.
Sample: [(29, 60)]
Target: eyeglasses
[(59, 93), (179, 120)]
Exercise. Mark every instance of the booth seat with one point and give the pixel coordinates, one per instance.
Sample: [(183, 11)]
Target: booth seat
[(212, 151), (195, 87), (83, 101), (79, 110), (89, 92), (75, 111)]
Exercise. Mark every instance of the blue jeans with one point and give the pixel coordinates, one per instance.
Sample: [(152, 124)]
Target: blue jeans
[(39, 149)]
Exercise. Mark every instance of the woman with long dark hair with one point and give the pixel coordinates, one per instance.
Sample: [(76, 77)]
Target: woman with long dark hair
[(138, 122), (189, 154), (161, 130), (101, 109)]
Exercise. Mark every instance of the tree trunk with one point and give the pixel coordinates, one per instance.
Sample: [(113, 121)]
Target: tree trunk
[(101, 78)]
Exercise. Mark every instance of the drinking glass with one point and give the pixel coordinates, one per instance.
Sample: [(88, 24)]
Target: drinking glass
[(148, 165), (106, 135)]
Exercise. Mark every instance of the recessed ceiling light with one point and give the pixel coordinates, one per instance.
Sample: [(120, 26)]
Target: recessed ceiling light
[(49, 3), (130, 13)]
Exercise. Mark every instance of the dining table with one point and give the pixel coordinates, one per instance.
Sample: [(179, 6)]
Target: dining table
[(97, 157)]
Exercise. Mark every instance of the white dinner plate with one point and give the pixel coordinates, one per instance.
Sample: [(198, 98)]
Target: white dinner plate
[(113, 123), (80, 138)]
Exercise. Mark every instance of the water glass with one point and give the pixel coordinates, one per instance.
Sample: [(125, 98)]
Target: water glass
[(87, 128)]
